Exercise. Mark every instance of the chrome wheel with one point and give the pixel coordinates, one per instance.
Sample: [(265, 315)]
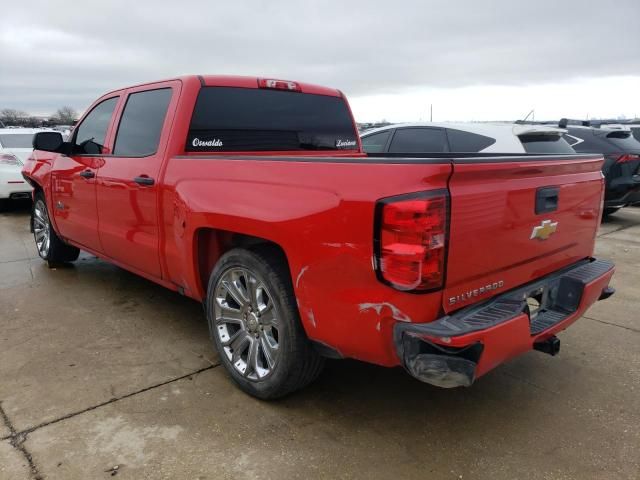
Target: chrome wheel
[(247, 323), (41, 228)]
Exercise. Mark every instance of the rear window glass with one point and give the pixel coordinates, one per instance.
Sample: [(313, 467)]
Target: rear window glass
[(636, 132), (17, 140), (375, 143), (624, 141), (246, 119), (461, 141), (418, 140), (545, 144)]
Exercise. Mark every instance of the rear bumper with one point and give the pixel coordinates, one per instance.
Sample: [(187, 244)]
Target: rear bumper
[(458, 348)]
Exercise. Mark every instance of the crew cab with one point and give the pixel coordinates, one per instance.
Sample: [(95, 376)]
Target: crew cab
[(254, 197)]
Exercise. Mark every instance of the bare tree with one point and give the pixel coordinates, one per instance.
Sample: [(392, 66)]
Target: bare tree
[(65, 116), (11, 116)]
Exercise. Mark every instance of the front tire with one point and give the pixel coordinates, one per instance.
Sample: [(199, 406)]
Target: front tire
[(255, 326), (50, 247)]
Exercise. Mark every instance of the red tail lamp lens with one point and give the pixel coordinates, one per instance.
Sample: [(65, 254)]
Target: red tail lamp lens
[(628, 158), (411, 240)]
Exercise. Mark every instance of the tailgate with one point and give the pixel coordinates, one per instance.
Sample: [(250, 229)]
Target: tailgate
[(497, 240)]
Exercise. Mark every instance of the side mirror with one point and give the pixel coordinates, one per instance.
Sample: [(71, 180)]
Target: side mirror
[(50, 142)]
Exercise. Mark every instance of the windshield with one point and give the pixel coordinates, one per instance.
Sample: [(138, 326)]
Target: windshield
[(250, 119), (545, 144), (16, 140)]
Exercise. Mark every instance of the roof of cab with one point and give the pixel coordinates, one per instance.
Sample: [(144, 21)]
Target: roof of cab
[(252, 82), (235, 81)]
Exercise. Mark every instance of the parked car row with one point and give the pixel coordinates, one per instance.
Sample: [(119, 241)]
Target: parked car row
[(617, 142), (15, 148)]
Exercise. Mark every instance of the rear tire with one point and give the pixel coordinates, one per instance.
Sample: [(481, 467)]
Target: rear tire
[(255, 326), (50, 247)]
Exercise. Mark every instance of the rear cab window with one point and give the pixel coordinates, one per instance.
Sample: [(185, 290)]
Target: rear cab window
[(227, 119), (545, 144)]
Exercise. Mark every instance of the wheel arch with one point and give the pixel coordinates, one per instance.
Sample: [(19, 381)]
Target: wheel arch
[(211, 243)]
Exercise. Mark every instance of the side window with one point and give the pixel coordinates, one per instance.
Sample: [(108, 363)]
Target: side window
[(418, 140), (375, 143), (90, 134), (141, 123), (461, 141)]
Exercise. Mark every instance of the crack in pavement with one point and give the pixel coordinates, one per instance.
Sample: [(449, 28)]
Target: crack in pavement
[(612, 324), (17, 438), (624, 227)]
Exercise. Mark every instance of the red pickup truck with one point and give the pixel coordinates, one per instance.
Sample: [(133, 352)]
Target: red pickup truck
[(254, 197)]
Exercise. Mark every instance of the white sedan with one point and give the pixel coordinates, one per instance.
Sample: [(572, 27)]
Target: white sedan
[(15, 148)]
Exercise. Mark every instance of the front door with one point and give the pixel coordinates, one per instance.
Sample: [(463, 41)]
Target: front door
[(127, 187), (73, 178)]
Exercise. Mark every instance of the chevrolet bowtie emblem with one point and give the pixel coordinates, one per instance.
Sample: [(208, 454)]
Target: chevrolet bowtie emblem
[(544, 230)]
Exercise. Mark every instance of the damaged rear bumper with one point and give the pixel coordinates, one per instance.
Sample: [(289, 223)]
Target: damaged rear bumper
[(458, 348)]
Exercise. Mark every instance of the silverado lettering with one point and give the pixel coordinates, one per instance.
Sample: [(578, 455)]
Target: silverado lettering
[(300, 252), (468, 295)]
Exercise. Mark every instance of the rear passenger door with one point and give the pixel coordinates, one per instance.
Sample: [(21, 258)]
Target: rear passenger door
[(419, 140), (127, 184)]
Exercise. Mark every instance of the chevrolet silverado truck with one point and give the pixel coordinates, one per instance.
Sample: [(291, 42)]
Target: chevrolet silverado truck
[(254, 197)]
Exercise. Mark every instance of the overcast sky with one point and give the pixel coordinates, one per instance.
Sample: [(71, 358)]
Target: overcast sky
[(474, 60)]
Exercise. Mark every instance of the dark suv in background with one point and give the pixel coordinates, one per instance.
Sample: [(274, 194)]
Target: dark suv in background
[(621, 151)]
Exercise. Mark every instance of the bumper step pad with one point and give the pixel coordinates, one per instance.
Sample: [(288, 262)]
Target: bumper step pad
[(560, 292)]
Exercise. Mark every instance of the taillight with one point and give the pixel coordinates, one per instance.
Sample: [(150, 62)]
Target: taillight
[(278, 84), (9, 159), (410, 240), (627, 158)]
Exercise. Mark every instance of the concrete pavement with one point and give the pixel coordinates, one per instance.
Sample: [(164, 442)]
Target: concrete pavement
[(102, 369)]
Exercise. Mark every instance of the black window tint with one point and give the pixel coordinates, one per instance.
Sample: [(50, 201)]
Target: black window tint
[(624, 142), (418, 140), (461, 141), (248, 119), (592, 140), (545, 144), (141, 123), (90, 134), (636, 133), (375, 143)]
